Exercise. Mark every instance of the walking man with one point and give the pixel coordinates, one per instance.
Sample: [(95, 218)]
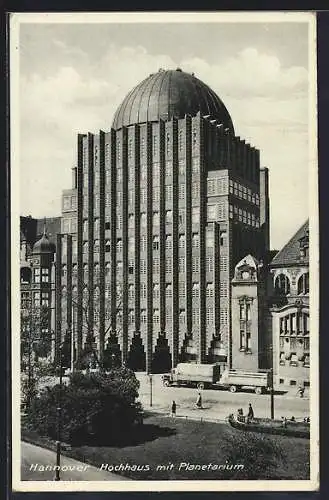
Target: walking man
[(173, 409), (250, 415), (199, 401)]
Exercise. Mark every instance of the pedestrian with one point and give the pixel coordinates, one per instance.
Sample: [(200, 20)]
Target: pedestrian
[(199, 401), (173, 409), (301, 391), (250, 415)]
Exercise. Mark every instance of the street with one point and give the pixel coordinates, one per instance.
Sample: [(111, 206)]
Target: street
[(34, 459), (217, 404)]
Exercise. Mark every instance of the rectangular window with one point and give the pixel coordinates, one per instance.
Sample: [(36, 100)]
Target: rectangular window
[(156, 194), (210, 264), (143, 195), (168, 193), (45, 275), (210, 315), (143, 266), (36, 275), (195, 189), (156, 265), (36, 299), (181, 264), (181, 191), (195, 264), (155, 144), (242, 339), (67, 203), (168, 265), (195, 165), (143, 290), (143, 243), (143, 316), (45, 299), (211, 186), (182, 241), (142, 147)]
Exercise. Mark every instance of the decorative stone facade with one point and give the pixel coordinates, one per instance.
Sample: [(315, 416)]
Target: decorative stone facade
[(290, 311)]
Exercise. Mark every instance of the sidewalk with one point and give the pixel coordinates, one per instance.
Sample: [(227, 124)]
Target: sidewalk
[(37, 464)]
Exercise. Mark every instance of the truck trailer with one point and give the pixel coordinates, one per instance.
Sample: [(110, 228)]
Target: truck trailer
[(209, 376)]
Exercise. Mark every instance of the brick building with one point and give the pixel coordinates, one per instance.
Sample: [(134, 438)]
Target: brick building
[(162, 208)]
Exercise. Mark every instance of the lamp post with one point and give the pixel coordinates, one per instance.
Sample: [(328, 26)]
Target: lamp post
[(272, 393), (151, 384), (59, 417)]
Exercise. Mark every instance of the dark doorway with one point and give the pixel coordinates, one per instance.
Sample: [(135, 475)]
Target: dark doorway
[(112, 353), (136, 356), (188, 352), (161, 361)]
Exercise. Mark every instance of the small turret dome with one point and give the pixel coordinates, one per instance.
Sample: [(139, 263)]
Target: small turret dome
[(43, 245)]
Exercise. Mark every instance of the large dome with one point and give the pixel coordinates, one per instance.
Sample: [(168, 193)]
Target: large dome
[(169, 94)]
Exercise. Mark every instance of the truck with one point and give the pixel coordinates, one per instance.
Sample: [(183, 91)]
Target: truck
[(209, 376)]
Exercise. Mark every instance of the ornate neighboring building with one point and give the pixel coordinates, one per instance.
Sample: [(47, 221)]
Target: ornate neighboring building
[(290, 311), (37, 251)]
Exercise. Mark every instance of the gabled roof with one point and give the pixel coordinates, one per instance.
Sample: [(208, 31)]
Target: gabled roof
[(290, 253)]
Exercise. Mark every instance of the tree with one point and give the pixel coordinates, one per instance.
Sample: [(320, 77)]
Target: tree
[(91, 328), (35, 344), (98, 404)]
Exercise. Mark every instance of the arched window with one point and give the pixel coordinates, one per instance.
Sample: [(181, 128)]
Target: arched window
[(282, 284), (304, 284)]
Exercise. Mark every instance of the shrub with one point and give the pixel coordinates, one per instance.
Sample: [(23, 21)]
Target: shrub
[(259, 455), (99, 404)]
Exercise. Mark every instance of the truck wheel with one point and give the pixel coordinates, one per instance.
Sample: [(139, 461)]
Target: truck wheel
[(200, 386), (233, 388), (258, 390), (166, 383)]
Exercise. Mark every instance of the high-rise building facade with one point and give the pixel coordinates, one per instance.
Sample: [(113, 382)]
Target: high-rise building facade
[(162, 208)]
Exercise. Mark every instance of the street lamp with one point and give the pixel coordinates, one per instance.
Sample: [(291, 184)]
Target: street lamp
[(59, 417), (272, 392), (151, 384)]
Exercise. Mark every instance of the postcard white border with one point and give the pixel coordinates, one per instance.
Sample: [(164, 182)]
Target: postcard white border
[(164, 17)]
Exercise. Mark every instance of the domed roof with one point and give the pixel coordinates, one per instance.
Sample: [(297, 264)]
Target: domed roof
[(43, 245), (168, 94)]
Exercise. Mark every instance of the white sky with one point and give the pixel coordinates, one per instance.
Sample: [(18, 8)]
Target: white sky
[(74, 76)]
